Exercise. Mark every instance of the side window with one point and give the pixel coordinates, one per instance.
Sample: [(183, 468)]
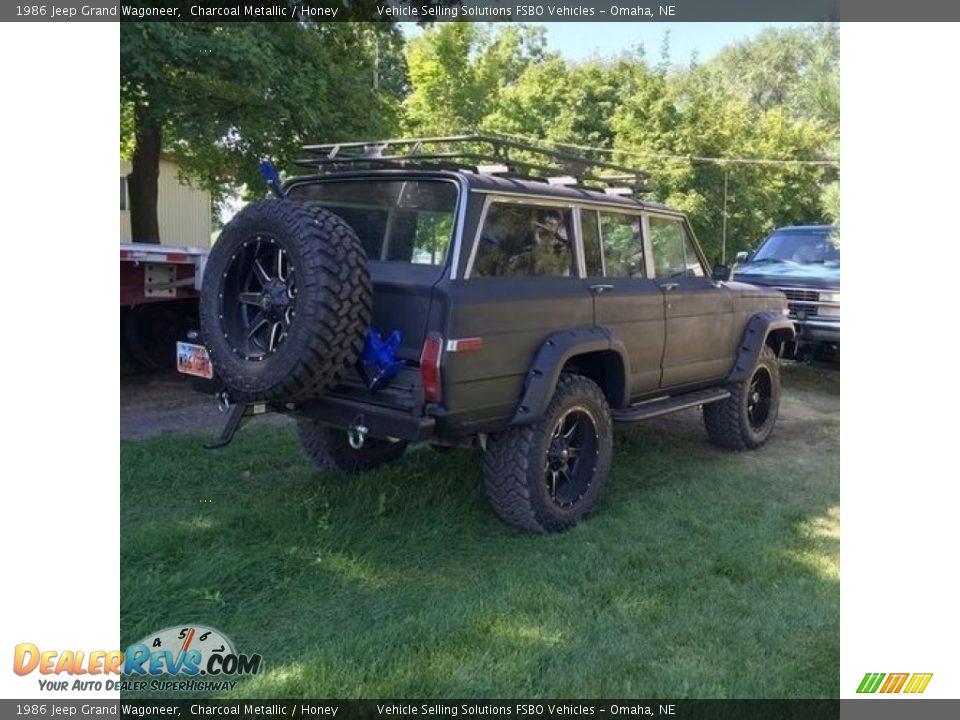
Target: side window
[(525, 240), (590, 226), (622, 247), (673, 252)]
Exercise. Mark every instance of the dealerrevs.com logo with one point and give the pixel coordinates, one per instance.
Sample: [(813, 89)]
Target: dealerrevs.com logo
[(183, 652), (894, 683)]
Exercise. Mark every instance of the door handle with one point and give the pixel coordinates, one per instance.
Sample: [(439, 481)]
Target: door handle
[(600, 289), (667, 287)]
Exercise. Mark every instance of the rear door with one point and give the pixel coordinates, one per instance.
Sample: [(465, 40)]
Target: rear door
[(626, 300), (698, 311)]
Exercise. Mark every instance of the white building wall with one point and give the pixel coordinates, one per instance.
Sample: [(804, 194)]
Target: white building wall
[(184, 212)]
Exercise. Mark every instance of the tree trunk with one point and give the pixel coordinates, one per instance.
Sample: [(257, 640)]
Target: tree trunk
[(143, 180)]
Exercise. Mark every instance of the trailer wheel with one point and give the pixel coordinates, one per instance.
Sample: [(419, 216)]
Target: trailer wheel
[(286, 301), (149, 332)]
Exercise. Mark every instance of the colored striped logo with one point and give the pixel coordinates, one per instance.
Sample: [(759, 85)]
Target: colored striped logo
[(894, 682)]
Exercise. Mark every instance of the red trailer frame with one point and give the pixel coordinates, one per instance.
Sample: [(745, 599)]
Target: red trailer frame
[(159, 301), (159, 273)]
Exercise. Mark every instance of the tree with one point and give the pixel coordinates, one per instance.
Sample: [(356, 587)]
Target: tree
[(774, 97), (444, 96), (675, 120), (830, 202), (562, 103), (458, 71), (797, 69), (218, 97)]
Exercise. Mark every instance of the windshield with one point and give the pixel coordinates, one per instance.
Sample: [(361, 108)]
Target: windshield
[(801, 246), (407, 221)]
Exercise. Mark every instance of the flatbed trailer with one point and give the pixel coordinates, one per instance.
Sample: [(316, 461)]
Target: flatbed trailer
[(159, 302), (159, 273)]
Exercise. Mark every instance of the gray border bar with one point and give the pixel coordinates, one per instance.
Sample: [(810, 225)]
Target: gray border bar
[(537, 709), (875, 708), (534, 11)]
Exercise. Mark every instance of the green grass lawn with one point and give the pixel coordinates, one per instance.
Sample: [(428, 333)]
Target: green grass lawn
[(702, 573)]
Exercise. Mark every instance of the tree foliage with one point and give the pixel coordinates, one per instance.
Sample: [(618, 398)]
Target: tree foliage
[(795, 68), (458, 72), (830, 202), (554, 101), (678, 120), (218, 97), (775, 97), (225, 95)]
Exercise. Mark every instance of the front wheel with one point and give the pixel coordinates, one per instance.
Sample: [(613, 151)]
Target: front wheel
[(745, 420), (546, 476)]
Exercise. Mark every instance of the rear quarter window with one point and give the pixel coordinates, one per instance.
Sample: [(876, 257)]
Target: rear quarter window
[(519, 240)]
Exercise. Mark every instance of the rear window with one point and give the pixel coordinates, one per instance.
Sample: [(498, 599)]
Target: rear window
[(408, 221)]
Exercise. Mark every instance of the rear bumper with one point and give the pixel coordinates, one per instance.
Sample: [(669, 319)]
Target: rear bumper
[(395, 411), (381, 421)]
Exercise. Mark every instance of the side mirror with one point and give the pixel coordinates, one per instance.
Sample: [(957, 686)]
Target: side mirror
[(742, 256), (721, 273)]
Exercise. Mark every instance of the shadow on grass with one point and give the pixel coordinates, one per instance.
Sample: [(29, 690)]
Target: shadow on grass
[(702, 573)]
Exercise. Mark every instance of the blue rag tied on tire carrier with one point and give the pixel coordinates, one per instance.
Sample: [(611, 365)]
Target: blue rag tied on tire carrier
[(378, 359)]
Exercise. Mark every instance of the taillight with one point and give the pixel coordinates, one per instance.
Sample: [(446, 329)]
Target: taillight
[(430, 367)]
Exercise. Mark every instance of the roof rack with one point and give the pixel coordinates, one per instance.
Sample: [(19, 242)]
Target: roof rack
[(479, 153)]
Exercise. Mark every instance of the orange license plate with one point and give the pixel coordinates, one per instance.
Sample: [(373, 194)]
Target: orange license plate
[(194, 360)]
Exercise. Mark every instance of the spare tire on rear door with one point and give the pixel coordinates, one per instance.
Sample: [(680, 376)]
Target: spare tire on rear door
[(286, 301)]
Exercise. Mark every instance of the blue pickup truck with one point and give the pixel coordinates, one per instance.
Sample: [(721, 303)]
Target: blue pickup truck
[(803, 262)]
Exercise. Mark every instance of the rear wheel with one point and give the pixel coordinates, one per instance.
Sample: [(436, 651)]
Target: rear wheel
[(330, 450), (745, 420), (546, 476)]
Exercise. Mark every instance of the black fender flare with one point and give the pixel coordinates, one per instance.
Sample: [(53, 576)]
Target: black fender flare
[(549, 360), (755, 335)]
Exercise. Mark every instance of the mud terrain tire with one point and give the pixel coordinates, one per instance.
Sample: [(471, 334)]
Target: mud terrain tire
[(745, 420), (545, 476), (286, 301)]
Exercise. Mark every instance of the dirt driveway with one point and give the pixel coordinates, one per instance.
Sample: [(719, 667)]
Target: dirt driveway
[(157, 402)]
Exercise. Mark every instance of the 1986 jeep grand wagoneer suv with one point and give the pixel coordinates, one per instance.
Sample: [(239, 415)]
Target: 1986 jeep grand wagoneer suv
[(449, 291)]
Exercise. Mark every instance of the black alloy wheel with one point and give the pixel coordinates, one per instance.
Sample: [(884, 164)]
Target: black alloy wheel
[(546, 475), (571, 457), (286, 301), (759, 398), (745, 420), (259, 297)]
